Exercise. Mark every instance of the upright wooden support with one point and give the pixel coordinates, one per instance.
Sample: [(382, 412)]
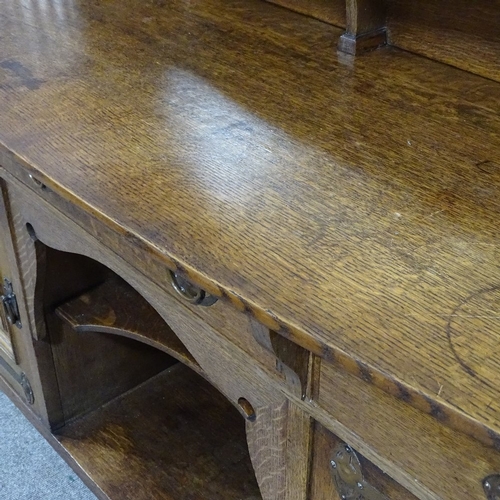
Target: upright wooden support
[(278, 434), (365, 26)]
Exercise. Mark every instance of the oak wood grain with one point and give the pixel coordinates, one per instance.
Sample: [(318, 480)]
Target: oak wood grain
[(237, 373), (238, 329), (457, 32), (293, 361), (229, 367), (329, 11), (267, 438), (438, 463), (353, 209), (279, 434), (299, 453)]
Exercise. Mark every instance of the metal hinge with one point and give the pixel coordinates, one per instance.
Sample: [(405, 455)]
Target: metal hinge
[(491, 485), (10, 305), (21, 379), (348, 476)]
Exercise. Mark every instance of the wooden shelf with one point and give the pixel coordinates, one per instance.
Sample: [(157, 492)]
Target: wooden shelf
[(114, 307), (173, 437)]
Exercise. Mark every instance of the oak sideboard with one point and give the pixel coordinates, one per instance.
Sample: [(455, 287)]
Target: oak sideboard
[(251, 250)]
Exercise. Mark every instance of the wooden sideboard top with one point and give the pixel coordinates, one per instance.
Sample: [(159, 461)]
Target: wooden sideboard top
[(351, 205)]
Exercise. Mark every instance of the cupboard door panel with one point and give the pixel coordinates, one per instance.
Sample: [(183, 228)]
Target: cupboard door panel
[(338, 472), (6, 343), (18, 368)]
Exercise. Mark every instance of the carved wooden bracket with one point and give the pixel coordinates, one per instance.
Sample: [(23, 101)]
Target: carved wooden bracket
[(116, 308), (295, 363)]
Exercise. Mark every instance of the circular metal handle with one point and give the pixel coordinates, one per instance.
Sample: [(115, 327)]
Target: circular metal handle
[(189, 292), (37, 183), (491, 485)]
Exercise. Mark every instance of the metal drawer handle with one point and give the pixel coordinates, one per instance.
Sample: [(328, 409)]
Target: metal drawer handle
[(37, 183), (189, 292), (491, 485)]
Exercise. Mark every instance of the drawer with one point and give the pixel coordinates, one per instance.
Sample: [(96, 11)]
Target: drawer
[(234, 325), (338, 471), (289, 364), (430, 459)]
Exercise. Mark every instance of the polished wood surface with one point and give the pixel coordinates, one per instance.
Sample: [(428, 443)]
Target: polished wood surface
[(329, 11), (458, 32), (241, 369), (350, 207), (365, 26), (432, 461)]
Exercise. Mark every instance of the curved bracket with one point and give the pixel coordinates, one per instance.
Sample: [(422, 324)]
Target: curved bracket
[(114, 307), (295, 363)]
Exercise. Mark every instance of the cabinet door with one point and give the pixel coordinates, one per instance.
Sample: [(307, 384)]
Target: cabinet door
[(6, 271), (16, 349), (339, 472), (6, 348)]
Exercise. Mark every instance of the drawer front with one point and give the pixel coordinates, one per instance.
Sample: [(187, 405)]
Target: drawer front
[(234, 325), (338, 471), (430, 460)]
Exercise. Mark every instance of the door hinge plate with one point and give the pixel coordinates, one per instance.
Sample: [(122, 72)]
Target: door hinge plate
[(348, 476), (9, 302), (21, 379)]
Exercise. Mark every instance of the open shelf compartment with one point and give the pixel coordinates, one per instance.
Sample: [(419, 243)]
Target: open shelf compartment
[(173, 437), (135, 415)]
